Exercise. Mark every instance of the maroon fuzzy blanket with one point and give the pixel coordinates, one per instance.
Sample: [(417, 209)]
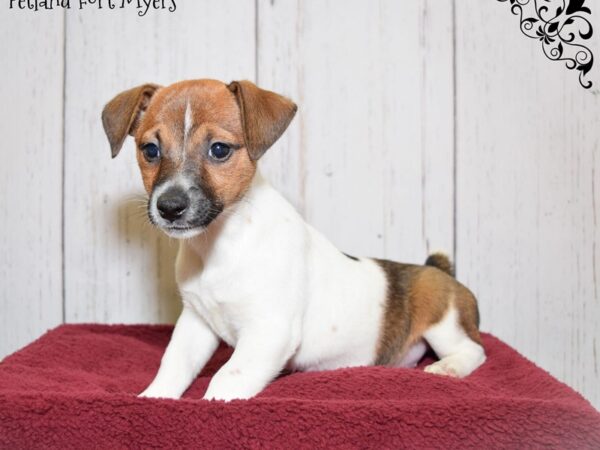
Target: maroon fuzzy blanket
[(75, 388)]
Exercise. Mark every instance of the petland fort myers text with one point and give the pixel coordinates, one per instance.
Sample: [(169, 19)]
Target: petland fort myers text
[(142, 6)]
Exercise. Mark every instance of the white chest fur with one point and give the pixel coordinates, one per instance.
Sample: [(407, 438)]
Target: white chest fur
[(261, 265)]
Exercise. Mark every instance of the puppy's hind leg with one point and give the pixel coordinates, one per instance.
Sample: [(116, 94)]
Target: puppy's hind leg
[(459, 354)]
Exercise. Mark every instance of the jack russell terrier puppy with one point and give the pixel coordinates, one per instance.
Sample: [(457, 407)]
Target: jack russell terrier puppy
[(252, 273)]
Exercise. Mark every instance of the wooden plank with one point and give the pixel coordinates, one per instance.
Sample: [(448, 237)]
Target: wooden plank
[(279, 68), (119, 269), (527, 194), (30, 177), (369, 158)]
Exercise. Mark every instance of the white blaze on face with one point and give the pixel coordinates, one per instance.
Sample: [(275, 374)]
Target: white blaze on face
[(187, 121), (187, 126)]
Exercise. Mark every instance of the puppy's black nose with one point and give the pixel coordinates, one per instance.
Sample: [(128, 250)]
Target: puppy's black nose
[(172, 204)]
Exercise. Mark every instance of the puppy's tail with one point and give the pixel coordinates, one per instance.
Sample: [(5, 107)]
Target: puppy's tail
[(442, 262)]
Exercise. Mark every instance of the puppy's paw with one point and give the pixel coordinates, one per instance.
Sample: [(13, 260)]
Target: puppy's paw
[(147, 394), (154, 393), (227, 389), (442, 367), (221, 397), (214, 394)]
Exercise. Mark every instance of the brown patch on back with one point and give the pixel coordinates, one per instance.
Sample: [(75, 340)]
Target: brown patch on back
[(468, 312), (417, 298), (396, 328), (432, 292)]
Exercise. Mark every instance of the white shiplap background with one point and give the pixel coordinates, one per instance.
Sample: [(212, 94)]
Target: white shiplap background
[(423, 125)]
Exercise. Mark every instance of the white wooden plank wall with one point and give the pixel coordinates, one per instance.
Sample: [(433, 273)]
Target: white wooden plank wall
[(369, 160), (31, 124), (528, 190)]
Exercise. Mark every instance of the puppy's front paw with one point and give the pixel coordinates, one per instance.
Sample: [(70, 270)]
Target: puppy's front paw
[(225, 391), (224, 396), (155, 393), (442, 368)]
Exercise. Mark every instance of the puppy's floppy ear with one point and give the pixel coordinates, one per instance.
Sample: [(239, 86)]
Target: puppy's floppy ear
[(265, 115), (121, 116)]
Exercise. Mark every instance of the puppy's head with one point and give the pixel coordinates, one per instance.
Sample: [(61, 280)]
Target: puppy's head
[(198, 143)]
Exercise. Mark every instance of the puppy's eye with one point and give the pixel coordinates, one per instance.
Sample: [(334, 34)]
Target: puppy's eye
[(151, 152), (219, 151)]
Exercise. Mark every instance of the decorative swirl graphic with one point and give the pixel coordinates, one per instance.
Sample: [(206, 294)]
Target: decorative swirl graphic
[(558, 24)]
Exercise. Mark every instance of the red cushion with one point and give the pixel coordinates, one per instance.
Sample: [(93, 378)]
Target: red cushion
[(76, 387)]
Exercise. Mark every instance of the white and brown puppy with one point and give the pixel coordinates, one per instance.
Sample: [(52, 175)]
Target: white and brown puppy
[(253, 273)]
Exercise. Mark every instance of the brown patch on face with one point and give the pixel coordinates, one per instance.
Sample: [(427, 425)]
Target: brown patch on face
[(229, 181), (183, 120), (417, 298), (265, 115), (121, 116)]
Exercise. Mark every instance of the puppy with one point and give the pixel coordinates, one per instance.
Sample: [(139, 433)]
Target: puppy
[(252, 273)]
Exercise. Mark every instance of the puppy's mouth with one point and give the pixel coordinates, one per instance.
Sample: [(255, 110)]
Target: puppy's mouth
[(191, 228), (186, 228), (182, 232)]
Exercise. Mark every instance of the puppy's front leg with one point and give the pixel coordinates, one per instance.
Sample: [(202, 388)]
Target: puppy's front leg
[(191, 345), (260, 355)]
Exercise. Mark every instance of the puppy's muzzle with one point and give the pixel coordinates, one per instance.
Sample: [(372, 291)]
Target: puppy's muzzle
[(182, 209)]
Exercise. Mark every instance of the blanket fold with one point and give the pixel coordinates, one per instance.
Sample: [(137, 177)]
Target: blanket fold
[(76, 387)]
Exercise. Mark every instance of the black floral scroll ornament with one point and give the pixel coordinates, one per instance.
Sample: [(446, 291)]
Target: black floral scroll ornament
[(560, 25)]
